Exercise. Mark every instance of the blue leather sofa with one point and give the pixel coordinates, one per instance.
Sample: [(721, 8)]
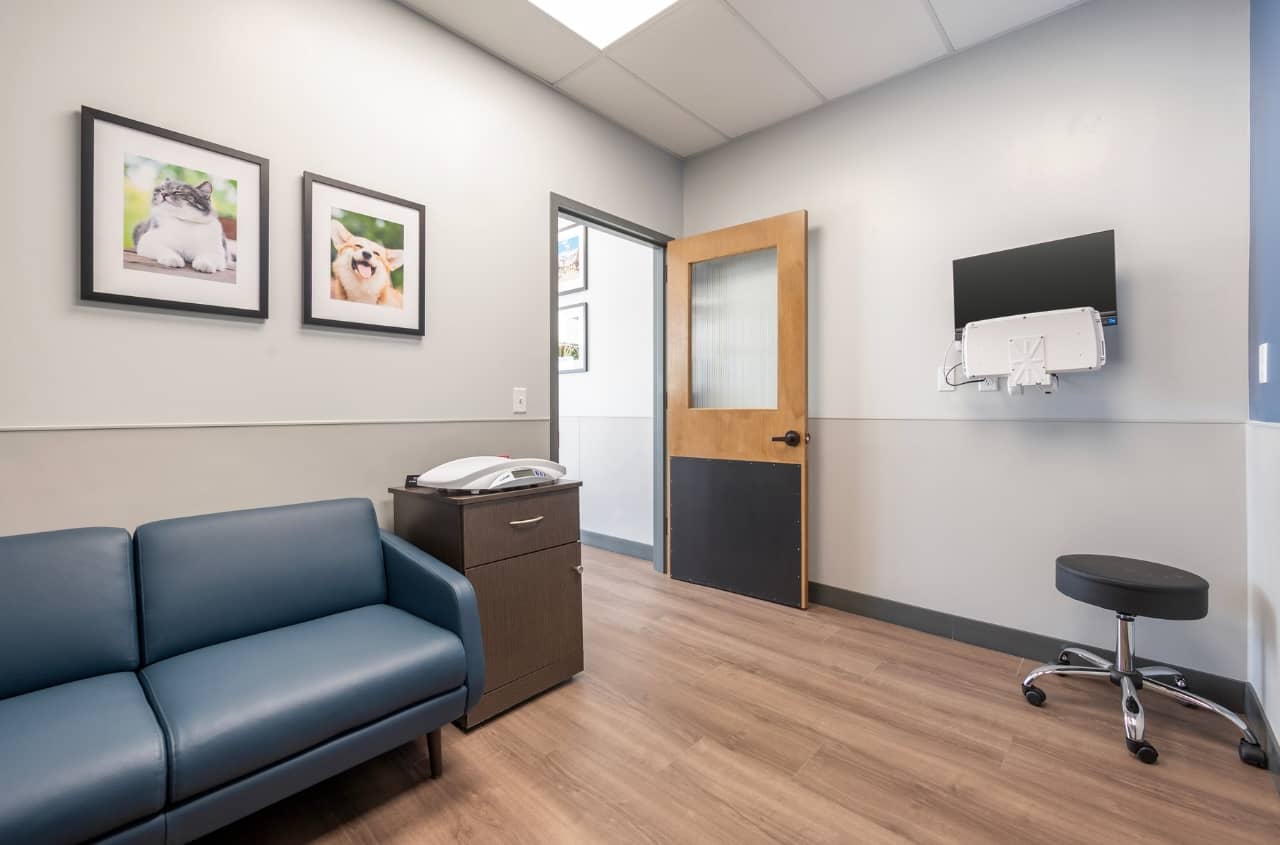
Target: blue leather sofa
[(152, 692)]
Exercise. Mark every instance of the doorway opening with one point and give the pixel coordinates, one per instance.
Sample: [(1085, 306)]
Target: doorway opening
[(608, 374)]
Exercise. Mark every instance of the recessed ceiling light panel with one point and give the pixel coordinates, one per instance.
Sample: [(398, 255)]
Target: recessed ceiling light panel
[(602, 22)]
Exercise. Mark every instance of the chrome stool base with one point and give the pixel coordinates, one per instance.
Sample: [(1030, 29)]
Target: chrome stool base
[(1082, 662)]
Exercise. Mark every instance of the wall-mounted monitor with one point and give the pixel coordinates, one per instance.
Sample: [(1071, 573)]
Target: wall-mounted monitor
[(1070, 273)]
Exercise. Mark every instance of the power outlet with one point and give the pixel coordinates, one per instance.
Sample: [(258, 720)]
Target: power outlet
[(943, 385), (519, 400)]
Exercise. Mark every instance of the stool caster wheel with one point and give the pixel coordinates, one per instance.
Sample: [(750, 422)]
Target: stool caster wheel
[(1034, 695), (1252, 754), (1144, 751), (1181, 683)]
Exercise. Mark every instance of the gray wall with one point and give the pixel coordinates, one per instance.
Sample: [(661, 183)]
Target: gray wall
[(414, 112), (126, 477), (1264, 288), (1124, 114)]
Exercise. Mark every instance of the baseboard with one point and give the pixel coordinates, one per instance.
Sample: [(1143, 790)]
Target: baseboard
[(1226, 691), (1257, 719), (616, 544)]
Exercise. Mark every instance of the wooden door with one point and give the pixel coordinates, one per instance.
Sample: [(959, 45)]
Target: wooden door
[(737, 406)]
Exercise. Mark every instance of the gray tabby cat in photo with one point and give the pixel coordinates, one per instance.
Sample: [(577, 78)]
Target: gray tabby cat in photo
[(183, 228)]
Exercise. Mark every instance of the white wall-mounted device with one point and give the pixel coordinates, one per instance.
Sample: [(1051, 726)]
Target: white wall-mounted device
[(489, 473), (1031, 350)]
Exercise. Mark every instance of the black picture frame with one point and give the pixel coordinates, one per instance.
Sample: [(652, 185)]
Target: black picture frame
[(309, 180), (586, 329), (583, 258), (89, 117)]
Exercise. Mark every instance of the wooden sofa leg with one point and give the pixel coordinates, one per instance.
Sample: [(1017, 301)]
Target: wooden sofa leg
[(433, 750)]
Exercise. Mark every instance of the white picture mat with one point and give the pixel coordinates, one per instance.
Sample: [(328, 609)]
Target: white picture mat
[(111, 143), (325, 198)]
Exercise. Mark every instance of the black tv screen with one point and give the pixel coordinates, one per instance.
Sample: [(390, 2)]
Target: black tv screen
[(1070, 273)]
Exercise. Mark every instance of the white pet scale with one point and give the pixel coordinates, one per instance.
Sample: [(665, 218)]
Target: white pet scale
[(489, 474)]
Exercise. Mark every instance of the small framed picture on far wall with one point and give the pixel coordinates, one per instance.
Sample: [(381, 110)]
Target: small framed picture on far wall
[(571, 259), (572, 338), (362, 258)]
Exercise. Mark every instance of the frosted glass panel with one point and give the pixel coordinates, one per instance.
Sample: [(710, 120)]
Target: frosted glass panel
[(734, 331)]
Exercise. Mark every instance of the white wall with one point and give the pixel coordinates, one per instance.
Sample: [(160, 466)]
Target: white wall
[(1264, 565), (606, 413), (1124, 114), (360, 90), (619, 296)]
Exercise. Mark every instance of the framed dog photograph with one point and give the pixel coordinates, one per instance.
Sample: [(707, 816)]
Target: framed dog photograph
[(572, 338), (571, 259), (362, 265), (170, 221)]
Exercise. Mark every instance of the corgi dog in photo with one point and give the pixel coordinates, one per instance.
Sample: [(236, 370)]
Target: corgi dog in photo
[(362, 270)]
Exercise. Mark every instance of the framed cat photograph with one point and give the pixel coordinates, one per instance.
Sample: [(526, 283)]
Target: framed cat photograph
[(170, 221), (362, 258)]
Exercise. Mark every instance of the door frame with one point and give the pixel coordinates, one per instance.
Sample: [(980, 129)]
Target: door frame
[(564, 206)]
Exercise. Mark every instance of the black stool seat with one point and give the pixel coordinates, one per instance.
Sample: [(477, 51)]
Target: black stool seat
[(1133, 587)]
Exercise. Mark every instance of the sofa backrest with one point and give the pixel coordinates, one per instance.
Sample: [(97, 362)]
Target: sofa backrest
[(208, 579), (66, 608)]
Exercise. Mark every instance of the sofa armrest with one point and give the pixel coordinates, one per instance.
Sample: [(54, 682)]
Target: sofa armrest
[(421, 585)]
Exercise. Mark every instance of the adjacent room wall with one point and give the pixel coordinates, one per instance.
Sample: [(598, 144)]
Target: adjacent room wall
[(1124, 114), (1264, 310), (606, 413), (364, 91)]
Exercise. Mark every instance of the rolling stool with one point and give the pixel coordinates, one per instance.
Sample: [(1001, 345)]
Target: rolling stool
[(1135, 588)]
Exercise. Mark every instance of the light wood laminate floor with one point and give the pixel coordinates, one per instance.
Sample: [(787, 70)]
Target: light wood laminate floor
[(707, 717)]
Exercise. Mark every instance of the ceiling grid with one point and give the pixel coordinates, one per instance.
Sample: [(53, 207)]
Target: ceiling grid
[(702, 72)]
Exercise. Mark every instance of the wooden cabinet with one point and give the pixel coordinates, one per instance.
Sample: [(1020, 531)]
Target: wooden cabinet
[(520, 551)]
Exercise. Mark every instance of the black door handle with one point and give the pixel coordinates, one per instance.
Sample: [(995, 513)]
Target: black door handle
[(791, 438)]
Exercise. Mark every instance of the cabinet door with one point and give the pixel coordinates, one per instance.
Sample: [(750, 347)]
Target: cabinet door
[(530, 612)]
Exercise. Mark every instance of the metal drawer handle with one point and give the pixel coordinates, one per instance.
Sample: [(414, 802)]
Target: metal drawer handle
[(533, 520)]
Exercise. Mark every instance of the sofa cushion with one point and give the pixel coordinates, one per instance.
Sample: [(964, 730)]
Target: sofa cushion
[(236, 707), (66, 608), (79, 760), (208, 579)]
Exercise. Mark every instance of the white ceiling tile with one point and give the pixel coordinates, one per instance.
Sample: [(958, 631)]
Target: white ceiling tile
[(514, 30), (615, 93), (708, 60), (843, 45), (968, 22)]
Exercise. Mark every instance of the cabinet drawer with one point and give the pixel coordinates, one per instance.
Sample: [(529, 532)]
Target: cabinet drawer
[(530, 612), (509, 527)]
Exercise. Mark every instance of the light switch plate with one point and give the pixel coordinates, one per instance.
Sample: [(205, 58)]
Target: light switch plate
[(1263, 356), (519, 400)]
